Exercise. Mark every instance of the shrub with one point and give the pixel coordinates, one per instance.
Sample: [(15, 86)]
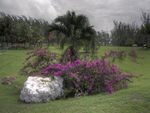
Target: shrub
[(119, 54), (69, 55), (36, 60), (89, 77), (115, 54), (133, 55), (8, 80)]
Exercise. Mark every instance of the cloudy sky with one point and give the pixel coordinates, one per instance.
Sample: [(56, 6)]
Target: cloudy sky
[(101, 13)]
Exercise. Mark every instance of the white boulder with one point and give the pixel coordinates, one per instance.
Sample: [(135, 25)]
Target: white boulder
[(41, 89)]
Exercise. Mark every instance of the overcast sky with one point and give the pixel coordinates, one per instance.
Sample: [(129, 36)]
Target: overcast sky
[(101, 13)]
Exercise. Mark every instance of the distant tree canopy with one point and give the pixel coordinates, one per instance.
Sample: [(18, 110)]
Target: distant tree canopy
[(21, 30), (145, 30), (129, 34), (103, 38), (123, 34), (71, 29)]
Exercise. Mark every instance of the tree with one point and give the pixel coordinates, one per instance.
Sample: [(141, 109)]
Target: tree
[(123, 34), (145, 30), (76, 32), (20, 30), (103, 38)]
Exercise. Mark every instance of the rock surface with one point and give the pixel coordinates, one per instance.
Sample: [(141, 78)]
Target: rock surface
[(41, 89)]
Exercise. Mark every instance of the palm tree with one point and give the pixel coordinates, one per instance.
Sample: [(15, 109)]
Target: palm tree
[(75, 31)]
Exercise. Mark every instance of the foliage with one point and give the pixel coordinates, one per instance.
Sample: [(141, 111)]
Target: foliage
[(89, 77), (36, 60)]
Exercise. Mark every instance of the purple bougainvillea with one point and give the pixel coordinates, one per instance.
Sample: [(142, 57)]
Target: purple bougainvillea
[(89, 77)]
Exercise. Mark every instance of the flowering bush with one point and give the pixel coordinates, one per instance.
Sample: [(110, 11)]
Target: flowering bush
[(36, 60), (119, 54), (133, 55), (89, 77), (115, 54)]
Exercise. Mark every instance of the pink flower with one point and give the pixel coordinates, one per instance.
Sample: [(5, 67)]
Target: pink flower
[(114, 68)]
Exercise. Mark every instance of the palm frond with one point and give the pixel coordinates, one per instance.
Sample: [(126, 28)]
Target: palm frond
[(58, 27)]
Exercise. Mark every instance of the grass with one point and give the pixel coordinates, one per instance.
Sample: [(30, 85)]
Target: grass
[(135, 99)]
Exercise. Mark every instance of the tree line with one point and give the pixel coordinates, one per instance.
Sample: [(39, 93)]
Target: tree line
[(16, 31), (72, 29), (124, 34), (23, 31)]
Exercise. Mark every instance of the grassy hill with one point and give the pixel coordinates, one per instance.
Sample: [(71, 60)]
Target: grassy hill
[(135, 99)]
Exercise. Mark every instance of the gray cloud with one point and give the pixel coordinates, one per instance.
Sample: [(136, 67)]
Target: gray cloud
[(101, 13)]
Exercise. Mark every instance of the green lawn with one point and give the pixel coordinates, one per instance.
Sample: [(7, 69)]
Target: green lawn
[(135, 99)]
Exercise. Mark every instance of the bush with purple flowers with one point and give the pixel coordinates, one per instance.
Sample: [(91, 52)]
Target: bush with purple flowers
[(121, 55), (133, 55), (115, 54), (89, 77), (37, 60)]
